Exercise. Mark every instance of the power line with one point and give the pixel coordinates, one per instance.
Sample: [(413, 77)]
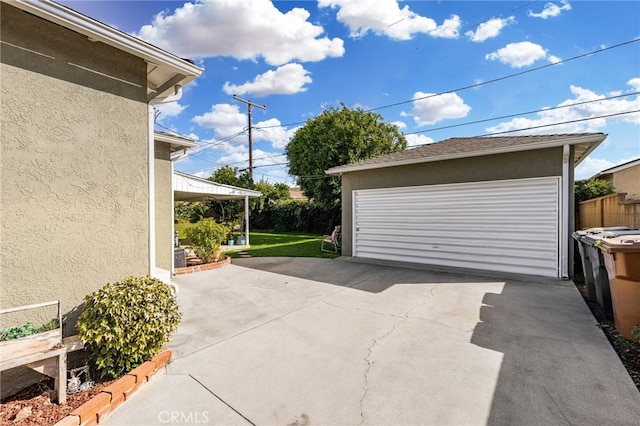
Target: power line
[(521, 113), (558, 124), (473, 86)]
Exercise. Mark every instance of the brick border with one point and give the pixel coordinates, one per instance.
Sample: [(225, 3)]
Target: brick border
[(97, 408), (204, 266)]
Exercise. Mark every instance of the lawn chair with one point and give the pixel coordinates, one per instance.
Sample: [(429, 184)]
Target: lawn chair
[(335, 239)]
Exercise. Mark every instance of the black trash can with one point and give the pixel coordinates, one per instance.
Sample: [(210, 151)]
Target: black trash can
[(583, 249)]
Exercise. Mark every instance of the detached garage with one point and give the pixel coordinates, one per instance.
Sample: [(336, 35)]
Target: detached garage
[(500, 204)]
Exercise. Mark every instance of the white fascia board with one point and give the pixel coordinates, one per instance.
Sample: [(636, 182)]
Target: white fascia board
[(590, 139), (189, 183), (176, 141), (620, 167), (97, 31)]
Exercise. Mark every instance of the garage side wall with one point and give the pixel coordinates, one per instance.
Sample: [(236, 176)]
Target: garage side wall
[(74, 164), (517, 165)]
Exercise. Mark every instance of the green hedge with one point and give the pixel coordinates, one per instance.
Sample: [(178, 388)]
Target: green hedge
[(296, 216)]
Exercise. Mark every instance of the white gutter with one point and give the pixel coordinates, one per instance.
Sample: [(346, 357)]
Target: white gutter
[(564, 224)]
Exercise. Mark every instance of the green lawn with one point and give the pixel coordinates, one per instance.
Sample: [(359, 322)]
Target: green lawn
[(285, 244)]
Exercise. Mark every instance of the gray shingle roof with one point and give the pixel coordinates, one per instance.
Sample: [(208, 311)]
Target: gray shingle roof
[(476, 146)]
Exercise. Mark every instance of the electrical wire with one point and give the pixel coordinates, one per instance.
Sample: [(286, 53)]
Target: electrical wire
[(521, 113), (482, 83)]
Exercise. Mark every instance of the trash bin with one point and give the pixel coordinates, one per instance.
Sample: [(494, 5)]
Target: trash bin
[(583, 249), (598, 268), (622, 260), (179, 260)]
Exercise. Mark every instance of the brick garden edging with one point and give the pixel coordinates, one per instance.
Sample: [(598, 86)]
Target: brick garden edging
[(204, 266), (109, 398)]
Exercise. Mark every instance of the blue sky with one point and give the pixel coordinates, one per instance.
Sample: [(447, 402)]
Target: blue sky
[(423, 65)]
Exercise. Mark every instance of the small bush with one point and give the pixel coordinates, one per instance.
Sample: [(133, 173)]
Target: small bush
[(206, 237), (28, 329), (126, 323), (635, 332)]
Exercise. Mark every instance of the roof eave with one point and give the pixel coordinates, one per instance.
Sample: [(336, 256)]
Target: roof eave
[(592, 139), (183, 71)]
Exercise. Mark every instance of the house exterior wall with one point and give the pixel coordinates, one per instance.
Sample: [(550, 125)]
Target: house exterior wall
[(74, 164), (516, 165), (628, 181), (164, 206)]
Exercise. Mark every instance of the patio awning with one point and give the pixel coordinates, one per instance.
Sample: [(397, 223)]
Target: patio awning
[(192, 188)]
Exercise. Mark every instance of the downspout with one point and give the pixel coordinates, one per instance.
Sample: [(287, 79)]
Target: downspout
[(564, 226)]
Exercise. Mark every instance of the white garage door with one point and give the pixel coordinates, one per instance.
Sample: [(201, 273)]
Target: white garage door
[(508, 225)]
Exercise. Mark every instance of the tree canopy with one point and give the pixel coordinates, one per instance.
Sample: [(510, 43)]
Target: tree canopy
[(338, 136), (587, 189)]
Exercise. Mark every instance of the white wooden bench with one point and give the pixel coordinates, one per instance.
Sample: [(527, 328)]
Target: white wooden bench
[(43, 352)]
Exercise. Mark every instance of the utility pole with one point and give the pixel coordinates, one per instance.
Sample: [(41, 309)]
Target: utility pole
[(249, 105)]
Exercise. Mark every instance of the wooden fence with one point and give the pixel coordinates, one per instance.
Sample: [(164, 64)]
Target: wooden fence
[(610, 210)]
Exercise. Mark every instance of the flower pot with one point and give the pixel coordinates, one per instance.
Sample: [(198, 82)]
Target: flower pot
[(241, 240), (230, 242)]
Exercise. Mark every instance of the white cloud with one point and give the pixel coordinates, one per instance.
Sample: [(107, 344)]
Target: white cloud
[(224, 119), (401, 125), (387, 18), (578, 112), (285, 80), (635, 83), (417, 140), (551, 10), (436, 108), (591, 166), (518, 55), (272, 131), (489, 29), (246, 29), (171, 109)]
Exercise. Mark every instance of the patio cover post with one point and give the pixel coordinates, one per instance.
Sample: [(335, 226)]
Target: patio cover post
[(246, 219)]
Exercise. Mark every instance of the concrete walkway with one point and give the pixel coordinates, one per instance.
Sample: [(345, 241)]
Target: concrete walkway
[(278, 341)]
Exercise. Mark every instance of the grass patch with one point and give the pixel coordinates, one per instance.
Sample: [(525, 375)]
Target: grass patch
[(285, 244)]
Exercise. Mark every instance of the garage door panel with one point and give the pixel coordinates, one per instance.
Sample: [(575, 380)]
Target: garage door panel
[(509, 226)]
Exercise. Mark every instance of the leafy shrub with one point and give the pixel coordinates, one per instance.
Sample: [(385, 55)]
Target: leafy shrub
[(28, 329), (635, 332), (126, 323), (206, 237)]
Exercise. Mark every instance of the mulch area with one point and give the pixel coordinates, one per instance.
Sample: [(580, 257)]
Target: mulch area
[(32, 406), (627, 350)]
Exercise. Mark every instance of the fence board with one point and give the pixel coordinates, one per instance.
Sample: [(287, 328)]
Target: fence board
[(610, 210)]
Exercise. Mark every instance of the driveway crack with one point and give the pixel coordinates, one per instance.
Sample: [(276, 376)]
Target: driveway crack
[(368, 359)]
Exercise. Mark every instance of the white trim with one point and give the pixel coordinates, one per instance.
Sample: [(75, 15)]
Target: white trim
[(175, 140), (564, 209), (97, 31), (152, 192), (592, 138), (619, 167)]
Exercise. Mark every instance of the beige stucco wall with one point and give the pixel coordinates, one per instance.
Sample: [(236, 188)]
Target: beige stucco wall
[(517, 165), (164, 206), (628, 181), (74, 164)]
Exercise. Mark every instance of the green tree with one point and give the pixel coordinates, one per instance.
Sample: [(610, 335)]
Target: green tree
[(587, 189), (335, 137), (229, 210)]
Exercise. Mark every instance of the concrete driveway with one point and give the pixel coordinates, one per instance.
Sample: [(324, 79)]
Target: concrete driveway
[(279, 341)]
